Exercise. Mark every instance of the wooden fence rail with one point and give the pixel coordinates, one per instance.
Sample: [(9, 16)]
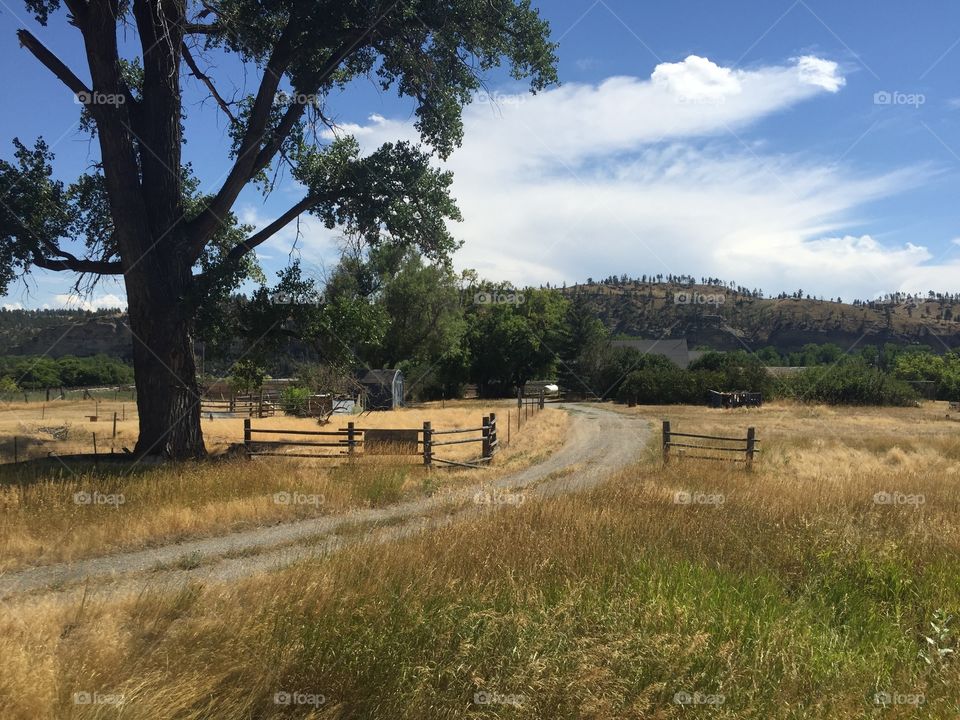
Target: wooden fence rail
[(350, 439), (528, 406), (744, 445)]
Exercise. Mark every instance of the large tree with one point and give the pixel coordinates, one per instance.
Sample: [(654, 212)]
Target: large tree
[(134, 216)]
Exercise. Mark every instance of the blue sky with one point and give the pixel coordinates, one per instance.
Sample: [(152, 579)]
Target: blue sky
[(783, 145)]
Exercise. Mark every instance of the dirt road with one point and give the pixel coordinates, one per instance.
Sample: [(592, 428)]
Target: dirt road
[(599, 442)]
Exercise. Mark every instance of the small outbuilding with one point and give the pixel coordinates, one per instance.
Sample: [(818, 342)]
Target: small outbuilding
[(383, 389)]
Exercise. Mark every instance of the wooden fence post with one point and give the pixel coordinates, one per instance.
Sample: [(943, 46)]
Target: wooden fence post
[(666, 442), (427, 443), (541, 400), (486, 437), (94, 444), (48, 394), (16, 451), (751, 445), (351, 438), (114, 423), (508, 427), (246, 435), (494, 444)]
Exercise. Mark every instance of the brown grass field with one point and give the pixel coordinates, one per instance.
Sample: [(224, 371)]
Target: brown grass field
[(787, 592), (42, 523)]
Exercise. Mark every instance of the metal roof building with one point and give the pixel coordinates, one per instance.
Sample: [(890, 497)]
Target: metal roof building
[(384, 389)]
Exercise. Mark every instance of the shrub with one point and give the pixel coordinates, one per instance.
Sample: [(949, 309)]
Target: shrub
[(849, 383), (294, 400)]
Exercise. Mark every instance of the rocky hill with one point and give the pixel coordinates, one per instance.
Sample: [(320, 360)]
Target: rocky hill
[(107, 335), (727, 318)]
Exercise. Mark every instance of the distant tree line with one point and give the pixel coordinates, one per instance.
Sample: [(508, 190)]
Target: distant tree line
[(30, 372)]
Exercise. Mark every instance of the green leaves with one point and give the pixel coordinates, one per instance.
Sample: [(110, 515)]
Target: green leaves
[(33, 212), (392, 195)]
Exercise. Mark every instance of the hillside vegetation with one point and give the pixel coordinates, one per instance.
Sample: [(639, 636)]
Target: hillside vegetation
[(726, 316)]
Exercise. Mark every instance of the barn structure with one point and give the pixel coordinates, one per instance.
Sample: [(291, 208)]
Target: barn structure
[(383, 389)]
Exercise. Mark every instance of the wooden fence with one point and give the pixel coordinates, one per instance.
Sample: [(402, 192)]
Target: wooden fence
[(528, 406), (690, 444), (352, 441), (262, 405)]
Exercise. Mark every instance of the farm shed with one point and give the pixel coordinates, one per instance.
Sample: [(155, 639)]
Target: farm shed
[(383, 389)]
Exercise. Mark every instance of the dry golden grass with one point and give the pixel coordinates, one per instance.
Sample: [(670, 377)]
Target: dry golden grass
[(796, 597), (41, 522)]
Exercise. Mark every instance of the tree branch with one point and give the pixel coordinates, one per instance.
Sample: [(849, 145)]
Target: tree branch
[(252, 158), (203, 226), (241, 249), (205, 79), (98, 267), (295, 112), (52, 63), (200, 29)]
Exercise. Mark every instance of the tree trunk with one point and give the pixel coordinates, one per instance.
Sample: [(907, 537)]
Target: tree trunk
[(168, 395)]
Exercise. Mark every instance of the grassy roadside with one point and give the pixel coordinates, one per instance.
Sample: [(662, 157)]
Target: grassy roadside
[(75, 512), (795, 596)]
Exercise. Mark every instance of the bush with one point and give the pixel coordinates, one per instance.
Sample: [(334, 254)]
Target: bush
[(849, 383), (294, 400), (32, 373)]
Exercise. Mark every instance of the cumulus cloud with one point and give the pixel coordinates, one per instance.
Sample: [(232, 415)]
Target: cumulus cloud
[(95, 302), (661, 175), (696, 78)]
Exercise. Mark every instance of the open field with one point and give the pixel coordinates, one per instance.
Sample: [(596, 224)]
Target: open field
[(42, 522), (787, 592)]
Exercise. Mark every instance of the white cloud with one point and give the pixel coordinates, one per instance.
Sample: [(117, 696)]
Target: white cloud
[(696, 78), (13, 306), (820, 73), (96, 302), (658, 175), (635, 175)]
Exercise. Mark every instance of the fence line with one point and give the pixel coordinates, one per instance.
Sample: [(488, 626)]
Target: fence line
[(351, 439), (749, 446)]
